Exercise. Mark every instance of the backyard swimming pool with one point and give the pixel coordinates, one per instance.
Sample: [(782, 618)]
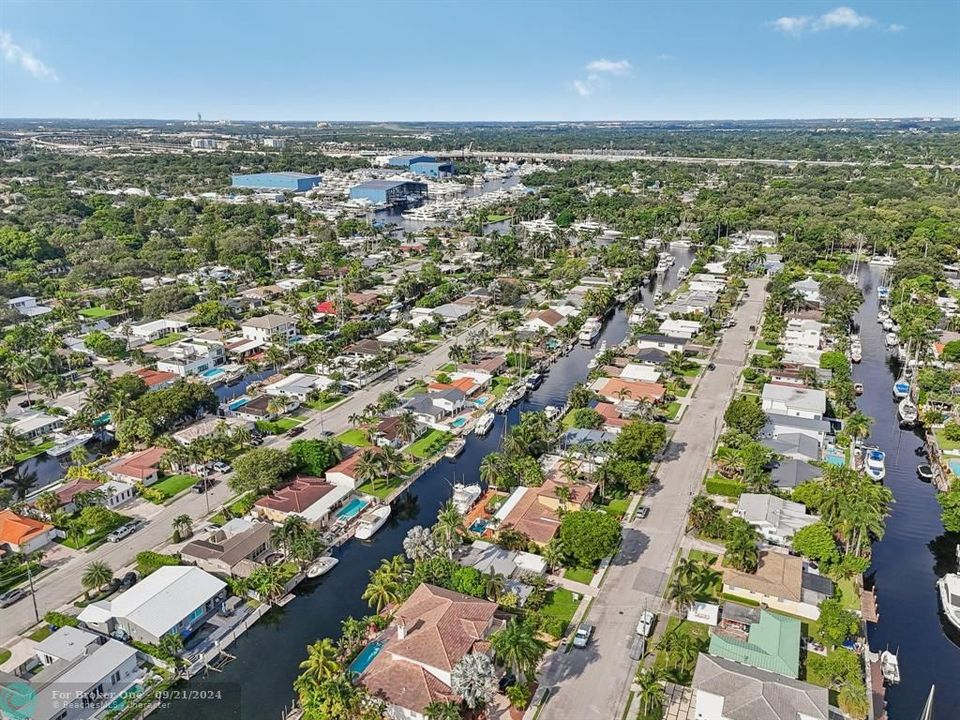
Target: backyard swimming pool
[(121, 700), (351, 509), (239, 403), (366, 656), (459, 422), (212, 373), (478, 526), (481, 401), (835, 456)]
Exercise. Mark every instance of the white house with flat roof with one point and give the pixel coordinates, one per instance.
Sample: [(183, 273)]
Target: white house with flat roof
[(28, 306), (794, 401), (32, 424), (298, 385), (776, 519), (174, 599), (156, 329), (190, 357), (685, 329)]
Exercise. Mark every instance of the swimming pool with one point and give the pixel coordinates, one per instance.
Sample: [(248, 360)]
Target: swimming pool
[(121, 700), (351, 509), (366, 656), (212, 373), (459, 422), (479, 526), (481, 401), (954, 467), (237, 404)]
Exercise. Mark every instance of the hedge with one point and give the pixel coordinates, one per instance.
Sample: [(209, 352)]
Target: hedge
[(727, 488), (148, 561)]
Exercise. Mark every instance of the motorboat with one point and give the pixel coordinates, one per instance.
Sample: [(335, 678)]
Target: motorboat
[(454, 448), (484, 423), (856, 349), (464, 496), (533, 381), (682, 272), (552, 412), (949, 586), (322, 566), (907, 412), (63, 444), (882, 316), (590, 331), (901, 389), (638, 315), (925, 472), (858, 388), (892, 340), (371, 521), (890, 667), (883, 292), (883, 260), (876, 464), (887, 324)]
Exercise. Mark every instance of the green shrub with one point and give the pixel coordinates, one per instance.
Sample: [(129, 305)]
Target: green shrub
[(148, 561), (60, 619), (727, 488)]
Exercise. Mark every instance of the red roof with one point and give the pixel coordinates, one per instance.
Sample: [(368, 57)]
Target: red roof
[(348, 466), (18, 529), (297, 496), (327, 308), (152, 378), (138, 465)]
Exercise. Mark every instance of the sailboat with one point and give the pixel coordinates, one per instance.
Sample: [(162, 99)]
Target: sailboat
[(854, 277), (927, 712)]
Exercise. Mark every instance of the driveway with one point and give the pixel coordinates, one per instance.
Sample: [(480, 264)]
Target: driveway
[(594, 682)]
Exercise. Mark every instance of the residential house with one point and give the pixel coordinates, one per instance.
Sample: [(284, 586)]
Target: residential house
[(776, 519), (266, 407), (190, 357), (685, 329), (312, 498), (32, 424), (234, 550), (772, 643), (794, 401), (270, 329), (395, 335), (640, 372), (660, 342), (548, 321), (535, 511), (155, 329), (208, 426), (363, 349), (91, 669), (485, 556), (298, 386), (492, 365), (22, 534), (142, 466), (809, 290), (113, 493), (779, 425), (788, 474), (424, 409), (618, 390), (794, 446), (651, 356), (431, 631), (728, 690), (783, 583), (803, 333), (156, 379), (28, 306), (173, 599), (386, 433)]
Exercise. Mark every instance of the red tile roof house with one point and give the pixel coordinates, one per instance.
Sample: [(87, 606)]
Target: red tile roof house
[(19, 533), (344, 472), (430, 633), (311, 498), (386, 433), (156, 379), (143, 466)]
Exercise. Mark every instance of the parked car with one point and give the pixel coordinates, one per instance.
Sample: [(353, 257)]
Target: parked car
[(645, 625), (643, 511), (222, 467), (506, 681), (12, 596), (129, 580), (584, 632), (134, 525), (202, 486), (711, 366), (294, 431), (638, 648), (119, 534), (256, 440)]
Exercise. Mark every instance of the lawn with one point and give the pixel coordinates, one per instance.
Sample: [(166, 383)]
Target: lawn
[(98, 313), (13, 576), (430, 444), (693, 372), (500, 386), (711, 594), (34, 451), (945, 444), (560, 604), (677, 390), (173, 485), (278, 426), (579, 574), (448, 368), (491, 218), (848, 594), (673, 668), (324, 404), (764, 345), (673, 409), (382, 489), (41, 634), (616, 507), (354, 437), (168, 339), (4, 655), (94, 539), (415, 389)]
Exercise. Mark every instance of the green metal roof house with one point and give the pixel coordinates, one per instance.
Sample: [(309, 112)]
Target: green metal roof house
[(772, 644)]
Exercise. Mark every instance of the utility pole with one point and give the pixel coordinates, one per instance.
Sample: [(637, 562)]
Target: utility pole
[(33, 594)]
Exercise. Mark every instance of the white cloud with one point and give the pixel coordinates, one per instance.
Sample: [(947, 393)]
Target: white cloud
[(791, 25), (843, 17), (16, 55), (894, 27), (614, 67), (582, 87)]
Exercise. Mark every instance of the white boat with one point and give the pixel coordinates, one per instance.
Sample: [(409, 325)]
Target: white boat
[(891, 340), (638, 315), (464, 496), (590, 331), (883, 260), (321, 566), (852, 279), (62, 444), (907, 412), (876, 465), (454, 448), (484, 424), (887, 324), (901, 389), (682, 272), (856, 349), (882, 316), (949, 586), (552, 412), (890, 667), (371, 521)]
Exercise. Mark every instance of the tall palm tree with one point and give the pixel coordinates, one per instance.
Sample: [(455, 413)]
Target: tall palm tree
[(23, 370), (183, 525), (294, 528), (11, 445), (858, 425), (682, 591), (380, 592), (322, 661), (406, 426), (95, 576), (491, 469), (447, 528), (518, 647), (368, 467), (703, 512), (651, 693)]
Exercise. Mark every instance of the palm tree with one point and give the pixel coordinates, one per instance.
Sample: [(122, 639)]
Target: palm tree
[(391, 461), (11, 445), (447, 528), (858, 425), (490, 469), (406, 426), (518, 647), (494, 585), (22, 481), (268, 583), (380, 592), (729, 461), (553, 554), (440, 710), (95, 576), (473, 680), (294, 528), (741, 546), (172, 644), (563, 495), (677, 363), (23, 369), (703, 512), (368, 468), (276, 406), (651, 693), (682, 591), (182, 526), (241, 437), (322, 661)]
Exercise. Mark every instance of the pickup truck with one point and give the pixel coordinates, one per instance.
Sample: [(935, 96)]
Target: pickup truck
[(645, 625)]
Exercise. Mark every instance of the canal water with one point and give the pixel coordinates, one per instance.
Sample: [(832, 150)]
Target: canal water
[(268, 655), (915, 550)]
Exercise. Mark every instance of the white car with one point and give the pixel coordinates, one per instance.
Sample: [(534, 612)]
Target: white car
[(119, 534), (645, 626), (582, 637)]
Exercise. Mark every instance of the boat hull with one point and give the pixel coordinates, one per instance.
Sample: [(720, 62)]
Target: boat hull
[(951, 611), (322, 567), (373, 521)]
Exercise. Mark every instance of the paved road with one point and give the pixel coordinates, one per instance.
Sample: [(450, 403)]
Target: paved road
[(58, 588), (594, 682)]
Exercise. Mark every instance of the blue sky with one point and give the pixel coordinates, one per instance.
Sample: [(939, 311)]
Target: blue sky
[(412, 60)]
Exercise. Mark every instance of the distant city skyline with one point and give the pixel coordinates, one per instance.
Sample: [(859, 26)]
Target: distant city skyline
[(496, 61)]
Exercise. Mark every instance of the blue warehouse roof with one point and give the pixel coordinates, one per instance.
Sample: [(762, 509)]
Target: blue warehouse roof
[(382, 184)]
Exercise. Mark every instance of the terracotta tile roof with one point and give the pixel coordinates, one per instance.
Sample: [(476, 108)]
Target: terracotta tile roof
[(327, 308), (17, 529), (138, 465), (549, 316), (538, 521), (347, 467), (440, 627), (297, 496), (388, 427), (66, 493), (638, 390), (152, 378), (778, 575)]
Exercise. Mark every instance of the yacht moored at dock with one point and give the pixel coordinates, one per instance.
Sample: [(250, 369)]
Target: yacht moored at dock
[(856, 349), (454, 448), (464, 496), (63, 444), (901, 389), (484, 424), (321, 566), (907, 412), (876, 465), (590, 331), (890, 667), (949, 586), (372, 521)]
